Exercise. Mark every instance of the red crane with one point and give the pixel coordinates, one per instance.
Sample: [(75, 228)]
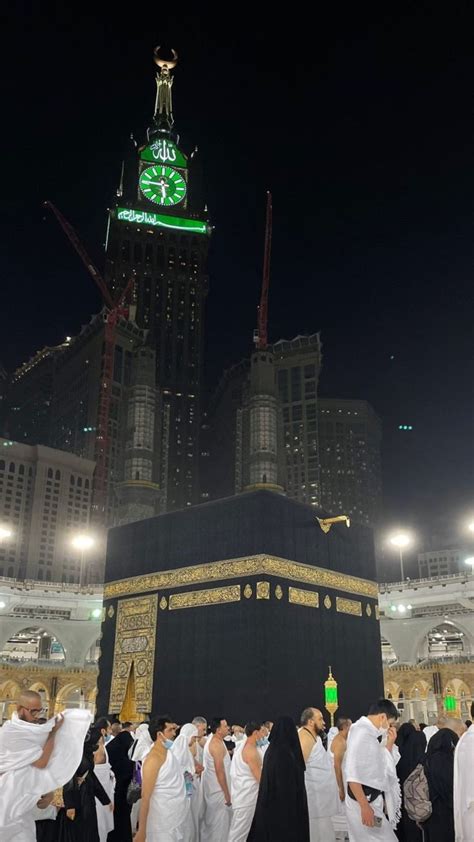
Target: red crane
[(261, 334), (115, 310)]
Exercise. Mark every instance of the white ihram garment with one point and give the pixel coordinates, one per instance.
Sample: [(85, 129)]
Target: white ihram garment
[(339, 821), (321, 791), (105, 816), (217, 817), (429, 732), (183, 754), (244, 790), (464, 787), (137, 752), (168, 804), (21, 784), (369, 763)]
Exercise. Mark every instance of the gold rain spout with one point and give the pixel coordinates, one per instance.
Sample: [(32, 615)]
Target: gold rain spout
[(326, 522)]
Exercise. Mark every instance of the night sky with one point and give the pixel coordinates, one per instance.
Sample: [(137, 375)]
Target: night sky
[(363, 130)]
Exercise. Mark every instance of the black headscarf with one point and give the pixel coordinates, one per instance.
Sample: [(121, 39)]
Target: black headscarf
[(412, 746), (439, 764), (281, 813)]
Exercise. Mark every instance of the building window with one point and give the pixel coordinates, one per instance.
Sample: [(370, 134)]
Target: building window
[(50, 473)]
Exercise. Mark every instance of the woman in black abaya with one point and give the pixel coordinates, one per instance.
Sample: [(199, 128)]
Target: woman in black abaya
[(122, 767), (412, 746), (281, 813), (439, 769)]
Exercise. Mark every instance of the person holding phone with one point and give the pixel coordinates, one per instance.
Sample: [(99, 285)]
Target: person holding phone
[(373, 798)]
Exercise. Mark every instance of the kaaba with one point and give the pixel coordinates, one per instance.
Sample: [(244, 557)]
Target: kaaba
[(237, 608)]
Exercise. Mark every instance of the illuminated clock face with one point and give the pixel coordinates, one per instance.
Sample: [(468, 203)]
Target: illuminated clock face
[(162, 185)]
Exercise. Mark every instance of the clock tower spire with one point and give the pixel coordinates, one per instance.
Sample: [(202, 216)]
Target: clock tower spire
[(159, 234), (163, 117)]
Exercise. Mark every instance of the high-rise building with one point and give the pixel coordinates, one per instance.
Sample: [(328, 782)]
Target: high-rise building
[(328, 452), (30, 397), (292, 389), (297, 365), (224, 458), (45, 499), (3, 397), (350, 436), (440, 563), (133, 461), (158, 233)]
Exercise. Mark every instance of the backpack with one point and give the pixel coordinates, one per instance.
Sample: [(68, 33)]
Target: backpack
[(416, 795)]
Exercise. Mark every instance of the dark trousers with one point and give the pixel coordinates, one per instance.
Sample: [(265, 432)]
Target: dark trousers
[(122, 831)]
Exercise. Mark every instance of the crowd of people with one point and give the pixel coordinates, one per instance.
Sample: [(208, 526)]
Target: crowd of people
[(67, 780)]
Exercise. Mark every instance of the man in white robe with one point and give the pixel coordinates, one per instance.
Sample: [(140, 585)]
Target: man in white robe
[(215, 784), (464, 786), (35, 760), (164, 806), (371, 776), (245, 772), (320, 780)]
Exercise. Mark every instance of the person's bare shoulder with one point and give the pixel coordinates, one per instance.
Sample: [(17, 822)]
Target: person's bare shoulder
[(217, 747), (338, 745), (250, 752)]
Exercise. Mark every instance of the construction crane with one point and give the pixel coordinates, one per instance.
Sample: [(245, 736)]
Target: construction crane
[(115, 310), (261, 333)]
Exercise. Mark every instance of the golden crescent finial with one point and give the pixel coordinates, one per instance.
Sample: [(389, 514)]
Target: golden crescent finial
[(162, 62)]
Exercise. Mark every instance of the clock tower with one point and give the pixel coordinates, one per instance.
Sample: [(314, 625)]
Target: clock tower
[(158, 233)]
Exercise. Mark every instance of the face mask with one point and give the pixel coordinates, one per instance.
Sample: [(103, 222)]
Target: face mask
[(263, 741), (168, 743)]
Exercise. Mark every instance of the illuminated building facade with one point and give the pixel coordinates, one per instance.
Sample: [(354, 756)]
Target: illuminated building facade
[(45, 498), (350, 439), (158, 233), (30, 396)]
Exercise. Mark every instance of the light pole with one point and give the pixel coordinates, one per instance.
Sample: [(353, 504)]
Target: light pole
[(82, 542), (400, 540)]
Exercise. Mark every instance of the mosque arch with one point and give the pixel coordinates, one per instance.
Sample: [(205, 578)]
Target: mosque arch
[(9, 693), (14, 646), (70, 695), (445, 639), (9, 690), (392, 690), (419, 690)]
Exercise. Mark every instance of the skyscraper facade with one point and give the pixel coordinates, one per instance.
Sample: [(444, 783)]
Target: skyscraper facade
[(328, 449), (45, 499), (297, 367), (350, 439), (158, 234), (30, 397), (141, 427)]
